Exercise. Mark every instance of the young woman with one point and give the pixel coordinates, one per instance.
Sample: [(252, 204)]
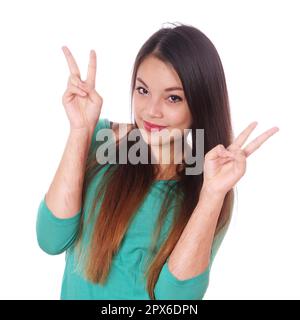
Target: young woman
[(146, 230)]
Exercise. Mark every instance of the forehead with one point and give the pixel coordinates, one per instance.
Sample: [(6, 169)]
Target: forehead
[(158, 73)]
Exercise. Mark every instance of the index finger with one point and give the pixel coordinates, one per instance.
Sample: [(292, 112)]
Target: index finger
[(71, 62), (91, 74), (242, 137)]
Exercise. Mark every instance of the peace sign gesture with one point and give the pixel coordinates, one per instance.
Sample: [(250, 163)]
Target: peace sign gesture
[(81, 101), (224, 167)]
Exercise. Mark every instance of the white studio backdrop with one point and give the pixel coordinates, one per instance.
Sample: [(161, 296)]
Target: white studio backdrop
[(258, 42)]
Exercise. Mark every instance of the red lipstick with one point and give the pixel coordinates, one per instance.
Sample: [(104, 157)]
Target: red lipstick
[(151, 126)]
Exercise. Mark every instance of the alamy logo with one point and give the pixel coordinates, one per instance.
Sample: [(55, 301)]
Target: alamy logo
[(138, 152)]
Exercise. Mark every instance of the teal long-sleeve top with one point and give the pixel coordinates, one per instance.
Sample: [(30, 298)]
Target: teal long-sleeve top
[(126, 280)]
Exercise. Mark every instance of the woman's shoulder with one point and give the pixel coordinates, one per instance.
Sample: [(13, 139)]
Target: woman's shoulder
[(120, 129), (105, 123)]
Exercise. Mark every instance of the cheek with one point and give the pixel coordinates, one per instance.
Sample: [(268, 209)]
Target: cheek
[(137, 112), (137, 104), (181, 118), (187, 117)]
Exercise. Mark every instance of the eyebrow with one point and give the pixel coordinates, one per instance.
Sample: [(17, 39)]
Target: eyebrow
[(168, 89)]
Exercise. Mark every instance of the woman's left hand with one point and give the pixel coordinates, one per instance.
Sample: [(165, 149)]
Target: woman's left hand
[(223, 167)]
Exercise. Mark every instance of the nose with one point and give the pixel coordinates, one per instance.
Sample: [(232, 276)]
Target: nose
[(154, 109)]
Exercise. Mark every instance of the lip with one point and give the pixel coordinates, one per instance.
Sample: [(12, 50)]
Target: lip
[(151, 126)]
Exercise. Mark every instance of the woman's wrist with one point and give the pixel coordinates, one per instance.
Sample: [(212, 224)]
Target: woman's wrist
[(210, 197)]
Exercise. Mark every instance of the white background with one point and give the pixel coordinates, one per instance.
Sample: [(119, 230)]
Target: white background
[(258, 42)]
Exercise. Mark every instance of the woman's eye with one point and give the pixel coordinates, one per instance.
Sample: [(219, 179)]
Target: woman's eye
[(140, 92), (143, 91), (175, 97)]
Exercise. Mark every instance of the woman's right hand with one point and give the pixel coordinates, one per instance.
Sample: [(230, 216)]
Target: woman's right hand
[(81, 101)]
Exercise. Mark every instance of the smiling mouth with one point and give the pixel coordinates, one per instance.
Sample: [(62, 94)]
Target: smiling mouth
[(152, 127)]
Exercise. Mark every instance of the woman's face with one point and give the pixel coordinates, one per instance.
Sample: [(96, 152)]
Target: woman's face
[(159, 98)]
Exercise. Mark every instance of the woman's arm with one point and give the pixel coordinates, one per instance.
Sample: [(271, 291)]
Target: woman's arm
[(65, 192), (192, 253), (83, 105), (190, 261), (55, 234), (185, 274)]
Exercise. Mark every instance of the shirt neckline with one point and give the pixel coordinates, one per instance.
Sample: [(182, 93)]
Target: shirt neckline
[(164, 181)]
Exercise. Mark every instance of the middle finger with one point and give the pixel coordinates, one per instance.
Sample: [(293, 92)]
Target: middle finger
[(257, 142), (91, 74)]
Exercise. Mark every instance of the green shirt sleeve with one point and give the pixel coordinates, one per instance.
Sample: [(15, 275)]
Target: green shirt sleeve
[(55, 235), (168, 287)]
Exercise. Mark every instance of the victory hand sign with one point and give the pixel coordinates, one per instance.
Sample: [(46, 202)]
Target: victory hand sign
[(223, 167), (81, 101)]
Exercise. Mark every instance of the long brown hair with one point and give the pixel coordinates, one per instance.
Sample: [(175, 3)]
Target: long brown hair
[(199, 67)]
